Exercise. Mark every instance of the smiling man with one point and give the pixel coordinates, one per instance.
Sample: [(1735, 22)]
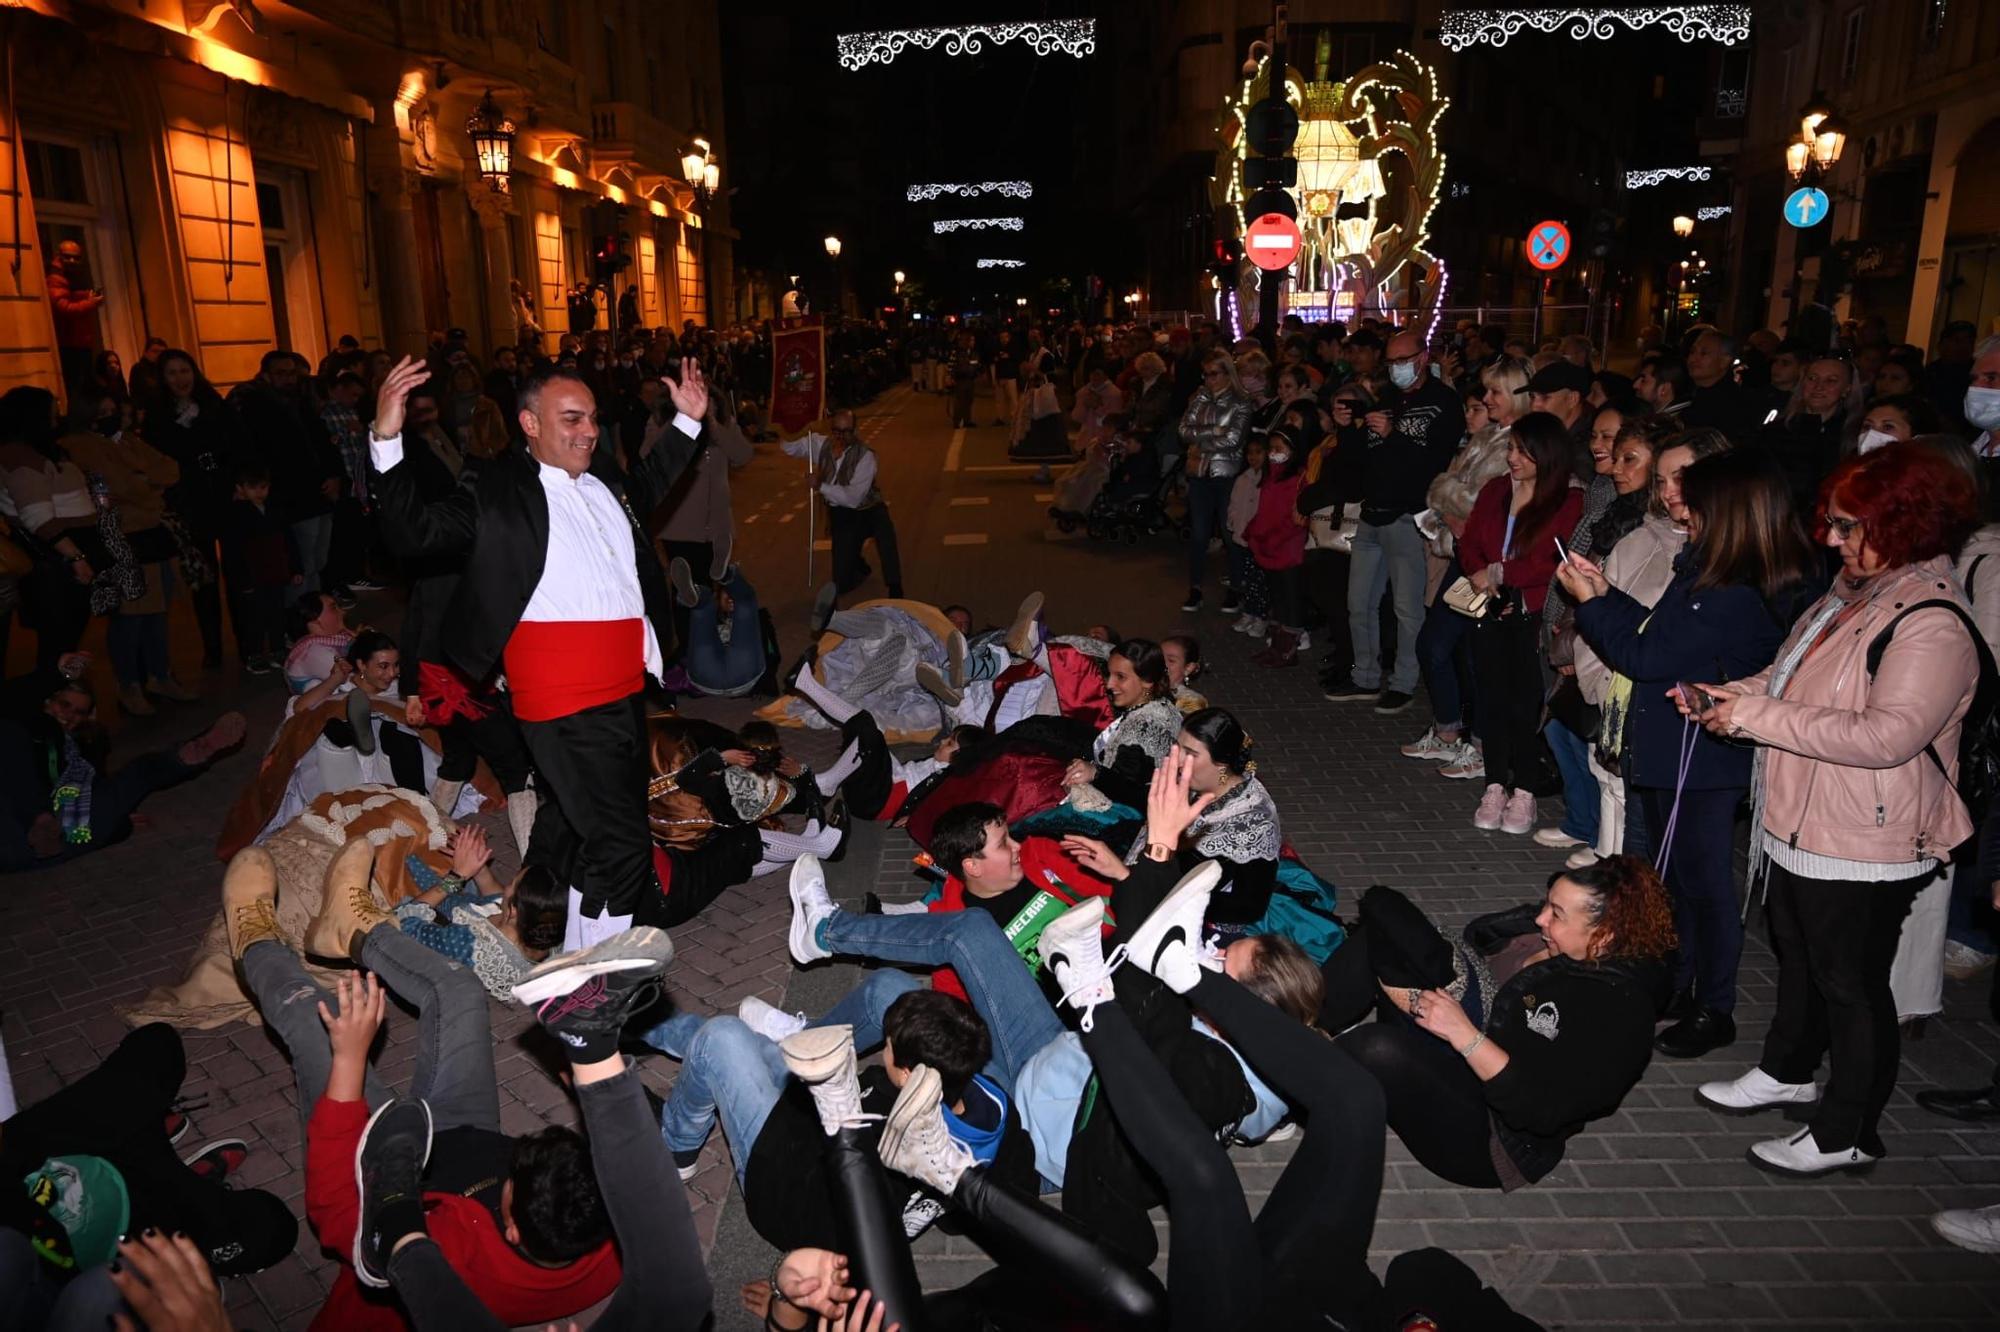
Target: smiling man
[(556, 593)]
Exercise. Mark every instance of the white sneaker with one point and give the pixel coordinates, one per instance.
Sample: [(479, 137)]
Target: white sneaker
[(1556, 838), (1166, 944), (1963, 962), (1430, 746), (1305, 640), (823, 1059), (915, 1141), (1242, 621), (1974, 1228), (1492, 807), (1800, 1156), (1466, 763), (1072, 948), (810, 906), (772, 1023), (1754, 1091), (1519, 816), (1582, 858)]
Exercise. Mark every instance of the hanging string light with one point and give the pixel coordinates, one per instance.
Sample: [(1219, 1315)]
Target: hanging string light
[(1072, 37), (1727, 24), (1013, 189)]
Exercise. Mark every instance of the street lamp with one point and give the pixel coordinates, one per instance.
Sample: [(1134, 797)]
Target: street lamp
[(833, 247), (1828, 141), (900, 279), (492, 141), (1821, 138), (1683, 226)]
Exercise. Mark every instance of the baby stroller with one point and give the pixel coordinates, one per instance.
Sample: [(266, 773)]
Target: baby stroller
[(1134, 501)]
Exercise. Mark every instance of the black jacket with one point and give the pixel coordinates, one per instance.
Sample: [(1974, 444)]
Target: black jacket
[(1426, 427), (289, 437), (501, 521), (1726, 406)]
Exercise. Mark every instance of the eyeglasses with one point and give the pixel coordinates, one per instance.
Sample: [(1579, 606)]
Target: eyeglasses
[(1842, 527)]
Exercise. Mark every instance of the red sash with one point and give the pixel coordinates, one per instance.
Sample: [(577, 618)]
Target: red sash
[(556, 668)]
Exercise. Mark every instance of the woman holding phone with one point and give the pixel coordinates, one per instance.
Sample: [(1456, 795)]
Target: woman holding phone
[(1858, 722), (1735, 588), (1509, 551)]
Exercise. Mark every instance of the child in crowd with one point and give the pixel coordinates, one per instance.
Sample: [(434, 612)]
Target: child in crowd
[(1277, 538), (319, 636), (499, 930), (258, 564), (1182, 653), (1244, 578)]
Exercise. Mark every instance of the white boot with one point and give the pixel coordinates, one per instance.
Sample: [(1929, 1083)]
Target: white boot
[(1754, 1091), (1072, 948), (915, 1141), (1799, 1155), (444, 794), (823, 1059)]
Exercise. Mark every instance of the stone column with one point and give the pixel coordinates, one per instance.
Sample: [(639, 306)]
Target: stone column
[(496, 210)]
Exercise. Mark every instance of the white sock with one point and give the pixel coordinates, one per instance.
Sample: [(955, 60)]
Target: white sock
[(790, 846), (832, 704), (843, 767), (916, 908)]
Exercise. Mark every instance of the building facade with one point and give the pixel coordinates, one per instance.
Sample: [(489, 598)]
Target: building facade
[(1913, 236), (250, 174)]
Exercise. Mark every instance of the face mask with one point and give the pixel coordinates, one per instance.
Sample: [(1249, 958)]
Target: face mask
[(1279, 459), (1403, 374), (1982, 408), (1871, 440), (1253, 384)]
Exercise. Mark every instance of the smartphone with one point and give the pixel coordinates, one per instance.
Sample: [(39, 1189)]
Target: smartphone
[(1561, 553), (1699, 700)]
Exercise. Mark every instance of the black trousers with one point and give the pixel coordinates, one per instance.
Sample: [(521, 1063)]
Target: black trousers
[(118, 1111), (853, 527), (597, 767), (1436, 1103), (1305, 1254), (496, 737), (1326, 588), (869, 786), (1835, 940), (1507, 676)]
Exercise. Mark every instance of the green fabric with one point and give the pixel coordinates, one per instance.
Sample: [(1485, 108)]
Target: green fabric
[(88, 1196)]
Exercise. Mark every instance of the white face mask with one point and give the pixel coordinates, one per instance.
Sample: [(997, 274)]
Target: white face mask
[(1982, 407), (1279, 458), (1871, 440), (1403, 374)]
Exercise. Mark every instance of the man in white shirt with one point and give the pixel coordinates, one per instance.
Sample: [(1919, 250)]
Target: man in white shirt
[(561, 593), (843, 472)]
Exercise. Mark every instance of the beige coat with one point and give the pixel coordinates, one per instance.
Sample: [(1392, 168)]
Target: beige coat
[(1847, 774), (1641, 566)]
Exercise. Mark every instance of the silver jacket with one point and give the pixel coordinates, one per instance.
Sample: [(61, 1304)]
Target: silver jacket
[(1214, 426)]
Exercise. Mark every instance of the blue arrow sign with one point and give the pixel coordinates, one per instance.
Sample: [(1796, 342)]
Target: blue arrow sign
[(1807, 207)]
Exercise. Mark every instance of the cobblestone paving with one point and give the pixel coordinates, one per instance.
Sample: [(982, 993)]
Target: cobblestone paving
[(1653, 1220)]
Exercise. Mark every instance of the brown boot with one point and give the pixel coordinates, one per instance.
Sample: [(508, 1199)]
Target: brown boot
[(348, 909), (250, 899)]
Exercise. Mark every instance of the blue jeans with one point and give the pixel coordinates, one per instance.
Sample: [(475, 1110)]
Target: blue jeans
[(1208, 516), (1580, 802), (715, 667), (1439, 645), (864, 1006), (312, 539), (1391, 555), (982, 661), (727, 1070), (1970, 917), (1002, 989)]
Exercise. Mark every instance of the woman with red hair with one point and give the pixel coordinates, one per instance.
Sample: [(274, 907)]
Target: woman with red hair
[(1857, 726)]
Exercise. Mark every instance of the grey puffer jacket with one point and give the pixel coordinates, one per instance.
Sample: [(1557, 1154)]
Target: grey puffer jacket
[(1214, 425)]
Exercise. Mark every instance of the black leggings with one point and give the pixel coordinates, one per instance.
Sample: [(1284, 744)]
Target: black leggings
[(1437, 1105), (664, 1283), (1306, 1252), (1507, 678)]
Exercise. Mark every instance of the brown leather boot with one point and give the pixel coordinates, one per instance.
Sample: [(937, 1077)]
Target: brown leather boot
[(348, 909), (250, 899)]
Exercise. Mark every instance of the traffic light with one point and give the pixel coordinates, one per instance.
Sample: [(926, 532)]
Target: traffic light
[(610, 257), (1228, 255)]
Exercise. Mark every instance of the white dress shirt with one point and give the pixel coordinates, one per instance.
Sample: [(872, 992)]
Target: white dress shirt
[(589, 571), (811, 446)]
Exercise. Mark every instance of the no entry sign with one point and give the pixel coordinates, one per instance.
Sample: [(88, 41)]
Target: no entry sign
[(1272, 242), (1548, 245)]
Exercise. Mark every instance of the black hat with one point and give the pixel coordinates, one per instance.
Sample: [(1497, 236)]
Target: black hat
[(1558, 375)]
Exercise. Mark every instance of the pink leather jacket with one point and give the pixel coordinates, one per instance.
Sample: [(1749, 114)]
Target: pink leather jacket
[(1847, 774)]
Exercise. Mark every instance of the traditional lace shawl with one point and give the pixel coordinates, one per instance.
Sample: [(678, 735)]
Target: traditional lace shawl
[(1240, 827), (1151, 727)]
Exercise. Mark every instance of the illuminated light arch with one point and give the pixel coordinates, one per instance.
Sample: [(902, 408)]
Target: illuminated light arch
[(944, 225), (1727, 24), (1013, 189), (1071, 37)]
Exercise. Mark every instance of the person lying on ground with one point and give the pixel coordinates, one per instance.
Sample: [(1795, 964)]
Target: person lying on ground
[(499, 930)]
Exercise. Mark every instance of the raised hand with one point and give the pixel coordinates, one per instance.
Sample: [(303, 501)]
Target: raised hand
[(1170, 803), (407, 374), (363, 1003), (690, 392), (469, 852)]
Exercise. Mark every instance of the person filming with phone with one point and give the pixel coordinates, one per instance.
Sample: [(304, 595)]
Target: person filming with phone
[(1736, 587), (1857, 724)]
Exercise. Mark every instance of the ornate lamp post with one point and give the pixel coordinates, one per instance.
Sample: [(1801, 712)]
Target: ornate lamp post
[(492, 142)]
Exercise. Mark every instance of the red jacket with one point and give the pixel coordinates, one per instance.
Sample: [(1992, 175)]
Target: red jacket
[(1276, 538), (75, 312), (1532, 562), (516, 1290), (1041, 857)]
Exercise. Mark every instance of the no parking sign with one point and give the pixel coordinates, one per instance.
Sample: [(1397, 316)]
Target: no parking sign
[(1548, 245)]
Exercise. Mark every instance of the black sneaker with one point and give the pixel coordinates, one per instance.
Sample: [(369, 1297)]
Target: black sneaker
[(824, 602), (687, 1164), (218, 1160), (1342, 689), (1193, 602), (1391, 702), (1230, 604), (586, 996), (388, 1171)]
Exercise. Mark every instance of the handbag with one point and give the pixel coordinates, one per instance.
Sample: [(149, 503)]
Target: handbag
[(1578, 715), (1333, 528), (1466, 599)]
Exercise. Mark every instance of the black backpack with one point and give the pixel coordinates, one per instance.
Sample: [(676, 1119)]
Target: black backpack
[(1979, 736)]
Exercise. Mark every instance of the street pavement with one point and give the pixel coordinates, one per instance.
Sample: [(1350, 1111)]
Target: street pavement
[(1653, 1220)]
